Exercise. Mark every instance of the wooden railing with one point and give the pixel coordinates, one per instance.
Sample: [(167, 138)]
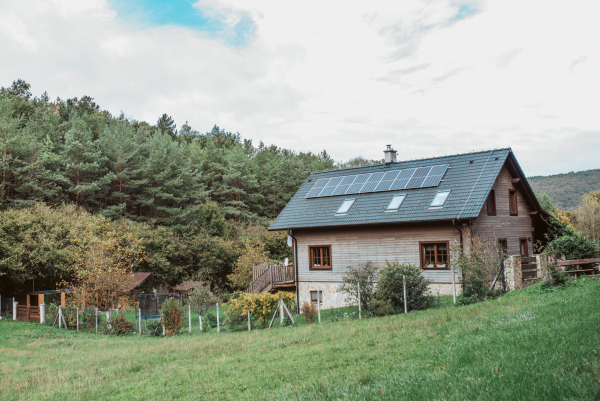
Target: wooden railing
[(28, 314), (270, 276)]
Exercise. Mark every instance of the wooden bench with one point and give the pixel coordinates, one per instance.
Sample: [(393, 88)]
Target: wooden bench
[(578, 262), (578, 272)]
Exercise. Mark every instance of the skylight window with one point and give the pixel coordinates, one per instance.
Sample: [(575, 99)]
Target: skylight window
[(395, 203), (440, 199), (345, 206)]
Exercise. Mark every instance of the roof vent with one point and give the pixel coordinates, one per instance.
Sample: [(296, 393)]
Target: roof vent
[(390, 154)]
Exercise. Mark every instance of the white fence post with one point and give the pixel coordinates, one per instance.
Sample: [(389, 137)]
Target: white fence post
[(280, 311), (405, 301), (60, 317), (200, 320), (218, 321), (319, 304), (43, 313), (359, 307), (14, 309)]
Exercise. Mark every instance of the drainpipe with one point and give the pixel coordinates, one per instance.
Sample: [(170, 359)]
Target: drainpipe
[(461, 234), (295, 250)]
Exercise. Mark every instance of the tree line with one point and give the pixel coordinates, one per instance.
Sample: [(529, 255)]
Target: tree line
[(198, 202)]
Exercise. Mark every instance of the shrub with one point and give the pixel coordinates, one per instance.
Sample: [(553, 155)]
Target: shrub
[(390, 287), (172, 316), (573, 247), (365, 275), (309, 311), (463, 299), (382, 307), (154, 328), (261, 306), (119, 326), (559, 279), (87, 317), (211, 320)]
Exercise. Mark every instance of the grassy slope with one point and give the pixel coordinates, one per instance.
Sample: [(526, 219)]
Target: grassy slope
[(525, 345), (566, 190)]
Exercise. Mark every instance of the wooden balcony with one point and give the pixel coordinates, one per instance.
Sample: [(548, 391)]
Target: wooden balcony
[(272, 278)]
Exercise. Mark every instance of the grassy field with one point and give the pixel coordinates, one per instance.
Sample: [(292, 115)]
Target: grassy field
[(525, 345)]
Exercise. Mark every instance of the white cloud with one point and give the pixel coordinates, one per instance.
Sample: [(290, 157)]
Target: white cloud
[(429, 77)]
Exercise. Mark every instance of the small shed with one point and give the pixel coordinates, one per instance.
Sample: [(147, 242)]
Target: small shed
[(188, 286)]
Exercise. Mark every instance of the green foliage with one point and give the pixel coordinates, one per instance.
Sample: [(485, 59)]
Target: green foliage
[(154, 328), (566, 190), (390, 287), (172, 316), (119, 326), (365, 275), (573, 246), (558, 278)]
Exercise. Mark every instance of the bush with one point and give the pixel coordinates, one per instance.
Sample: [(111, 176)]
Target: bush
[(574, 247), (463, 300), (261, 306), (365, 275), (390, 287), (87, 317), (559, 279), (154, 328), (309, 311), (119, 326), (382, 307), (172, 316)]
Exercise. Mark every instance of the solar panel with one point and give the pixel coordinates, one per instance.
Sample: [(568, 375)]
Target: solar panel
[(372, 182), (358, 183), (381, 181), (387, 181), (418, 177), (435, 176), (344, 185), (317, 188), (402, 179)]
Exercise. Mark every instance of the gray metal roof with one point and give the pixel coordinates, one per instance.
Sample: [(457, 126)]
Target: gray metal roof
[(470, 178)]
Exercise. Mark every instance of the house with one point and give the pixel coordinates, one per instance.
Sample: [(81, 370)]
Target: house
[(410, 211)]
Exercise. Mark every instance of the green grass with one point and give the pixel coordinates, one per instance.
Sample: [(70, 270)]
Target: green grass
[(526, 345)]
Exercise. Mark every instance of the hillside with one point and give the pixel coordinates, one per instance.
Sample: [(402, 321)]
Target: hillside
[(566, 190), (526, 345)]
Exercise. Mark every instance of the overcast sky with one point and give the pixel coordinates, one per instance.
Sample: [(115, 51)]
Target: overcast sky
[(429, 77)]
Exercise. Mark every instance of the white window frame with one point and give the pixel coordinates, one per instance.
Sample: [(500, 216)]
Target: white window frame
[(440, 200), (391, 208), (345, 206)]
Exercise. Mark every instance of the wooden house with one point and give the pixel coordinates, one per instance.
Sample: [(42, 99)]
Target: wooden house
[(409, 211)]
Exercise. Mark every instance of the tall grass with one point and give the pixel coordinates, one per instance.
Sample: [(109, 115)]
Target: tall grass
[(527, 344)]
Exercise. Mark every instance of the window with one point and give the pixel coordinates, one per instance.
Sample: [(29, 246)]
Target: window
[(512, 202), (434, 255), (503, 245), (346, 205), (314, 295), (524, 247), (395, 203), (320, 257), (440, 199), (491, 203)]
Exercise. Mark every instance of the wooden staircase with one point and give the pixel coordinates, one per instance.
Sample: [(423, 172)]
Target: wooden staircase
[(272, 278)]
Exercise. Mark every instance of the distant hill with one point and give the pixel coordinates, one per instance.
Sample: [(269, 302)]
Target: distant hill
[(566, 190)]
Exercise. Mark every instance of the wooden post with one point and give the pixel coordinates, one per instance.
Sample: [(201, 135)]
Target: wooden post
[(14, 309), (249, 329), (140, 320), (78, 318), (319, 304), (190, 317), (280, 310), (359, 308), (62, 299), (218, 322), (405, 301)]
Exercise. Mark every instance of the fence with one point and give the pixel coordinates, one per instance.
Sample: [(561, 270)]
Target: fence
[(6, 306)]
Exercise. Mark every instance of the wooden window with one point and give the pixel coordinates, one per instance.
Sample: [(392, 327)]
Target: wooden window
[(491, 203), (512, 202), (314, 295), (503, 245), (434, 255), (524, 247), (320, 257)]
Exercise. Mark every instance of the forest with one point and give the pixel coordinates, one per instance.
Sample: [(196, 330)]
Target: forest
[(567, 190), (198, 204)]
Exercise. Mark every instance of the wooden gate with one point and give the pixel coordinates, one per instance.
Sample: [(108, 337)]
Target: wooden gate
[(28, 313), (528, 267)]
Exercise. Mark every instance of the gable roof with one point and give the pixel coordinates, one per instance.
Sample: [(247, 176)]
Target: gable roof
[(469, 179)]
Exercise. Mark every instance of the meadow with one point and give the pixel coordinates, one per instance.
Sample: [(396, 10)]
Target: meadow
[(528, 344)]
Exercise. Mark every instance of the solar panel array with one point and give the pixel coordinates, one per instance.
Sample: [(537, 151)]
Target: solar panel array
[(376, 182)]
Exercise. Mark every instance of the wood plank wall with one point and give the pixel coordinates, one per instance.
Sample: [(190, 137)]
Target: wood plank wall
[(376, 243), (503, 225)]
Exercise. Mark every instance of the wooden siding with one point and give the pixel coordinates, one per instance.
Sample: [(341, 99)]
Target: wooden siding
[(378, 244), (503, 225)]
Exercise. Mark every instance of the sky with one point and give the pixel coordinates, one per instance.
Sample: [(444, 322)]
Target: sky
[(429, 77)]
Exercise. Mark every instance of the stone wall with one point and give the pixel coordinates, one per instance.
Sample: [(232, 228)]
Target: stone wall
[(514, 276)]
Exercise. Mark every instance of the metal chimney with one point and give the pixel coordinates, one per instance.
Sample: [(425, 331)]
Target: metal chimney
[(390, 154)]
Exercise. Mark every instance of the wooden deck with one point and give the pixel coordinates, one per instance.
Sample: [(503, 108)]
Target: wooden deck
[(272, 278)]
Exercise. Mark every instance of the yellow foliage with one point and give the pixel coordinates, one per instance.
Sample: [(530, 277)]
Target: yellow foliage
[(260, 305)]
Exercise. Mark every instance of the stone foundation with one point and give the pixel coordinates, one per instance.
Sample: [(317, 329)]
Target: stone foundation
[(334, 298)]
